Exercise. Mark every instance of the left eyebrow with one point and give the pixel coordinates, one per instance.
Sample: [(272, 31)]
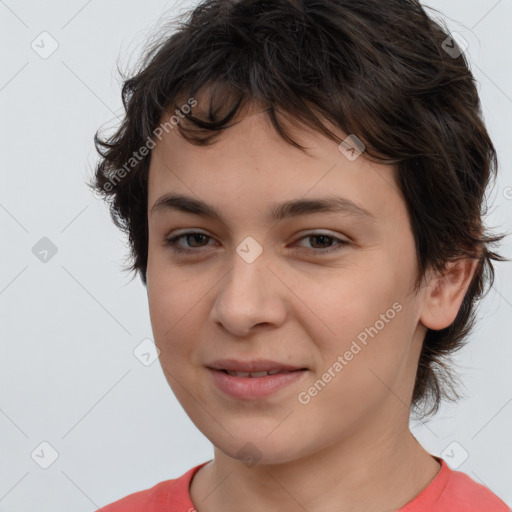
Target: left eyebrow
[(299, 207), (278, 211)]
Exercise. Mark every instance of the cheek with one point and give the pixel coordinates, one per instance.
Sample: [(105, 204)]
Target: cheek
[(356, 298), (177, 298), (368, 313), (169, 307), (363, 367), (168, 291), (167, 299), (172, 320)]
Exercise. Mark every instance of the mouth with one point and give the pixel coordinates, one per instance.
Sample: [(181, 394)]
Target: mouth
[(252, 380), (234, 373), (252, 368)]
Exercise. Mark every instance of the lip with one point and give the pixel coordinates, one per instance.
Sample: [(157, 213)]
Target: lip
[(256, 365), (253, 388)]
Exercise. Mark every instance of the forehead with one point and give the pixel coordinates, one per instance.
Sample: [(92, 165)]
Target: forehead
[(250, 167)]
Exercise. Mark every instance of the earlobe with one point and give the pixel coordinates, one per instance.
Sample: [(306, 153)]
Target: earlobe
[(444, 294)]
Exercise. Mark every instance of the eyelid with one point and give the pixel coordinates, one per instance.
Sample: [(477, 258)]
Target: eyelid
[(320, 232), (172, 241), (333, 249)]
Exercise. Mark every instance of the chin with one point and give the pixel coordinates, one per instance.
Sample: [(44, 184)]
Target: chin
[(253, 444), (260, 453)]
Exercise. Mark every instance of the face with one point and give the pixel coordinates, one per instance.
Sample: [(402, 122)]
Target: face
[(324, 297)]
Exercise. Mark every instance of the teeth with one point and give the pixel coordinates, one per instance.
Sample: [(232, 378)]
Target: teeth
[(258, 374), (238, 374), (254, 374)]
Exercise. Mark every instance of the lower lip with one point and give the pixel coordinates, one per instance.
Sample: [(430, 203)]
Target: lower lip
[(247, 388)]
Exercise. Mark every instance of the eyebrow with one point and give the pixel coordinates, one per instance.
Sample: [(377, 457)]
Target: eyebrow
[(279, 211)]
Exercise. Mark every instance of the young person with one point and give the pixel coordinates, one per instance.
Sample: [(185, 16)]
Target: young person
[(301, 182)]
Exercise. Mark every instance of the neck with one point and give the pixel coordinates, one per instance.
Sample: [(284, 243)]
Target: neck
[(382, 463)]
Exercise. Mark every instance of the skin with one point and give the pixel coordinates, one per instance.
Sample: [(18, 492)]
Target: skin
[(350, 447)]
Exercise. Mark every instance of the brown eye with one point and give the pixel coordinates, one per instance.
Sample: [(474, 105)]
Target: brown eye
[(322, 243), (194, 240)]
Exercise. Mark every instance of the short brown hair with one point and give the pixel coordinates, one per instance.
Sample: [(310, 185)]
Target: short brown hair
[(377, 70)]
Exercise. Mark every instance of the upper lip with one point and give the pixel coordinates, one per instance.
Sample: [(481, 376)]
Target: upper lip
[(256, 365)]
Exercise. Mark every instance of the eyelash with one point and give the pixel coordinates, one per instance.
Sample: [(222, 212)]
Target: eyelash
[(172, 242)]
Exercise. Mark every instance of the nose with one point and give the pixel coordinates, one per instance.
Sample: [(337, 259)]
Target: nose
[(250, 296)]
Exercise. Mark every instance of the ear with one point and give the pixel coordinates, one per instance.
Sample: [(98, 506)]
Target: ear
[(444, 294)]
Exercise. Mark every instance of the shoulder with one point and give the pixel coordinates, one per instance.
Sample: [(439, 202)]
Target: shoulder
[(452, 491), (167, 496), (471, 496), (153, 499)]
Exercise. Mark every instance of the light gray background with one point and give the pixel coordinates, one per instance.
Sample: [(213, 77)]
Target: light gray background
[(68, 375)]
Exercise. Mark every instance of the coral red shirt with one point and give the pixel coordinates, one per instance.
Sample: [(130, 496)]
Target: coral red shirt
[(450, 491)]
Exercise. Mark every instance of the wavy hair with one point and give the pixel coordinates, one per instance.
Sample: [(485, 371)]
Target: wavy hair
[(383, 71)]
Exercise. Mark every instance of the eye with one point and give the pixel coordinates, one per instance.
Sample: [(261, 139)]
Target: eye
[(194, 237), (324, 240), (191, 236)]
